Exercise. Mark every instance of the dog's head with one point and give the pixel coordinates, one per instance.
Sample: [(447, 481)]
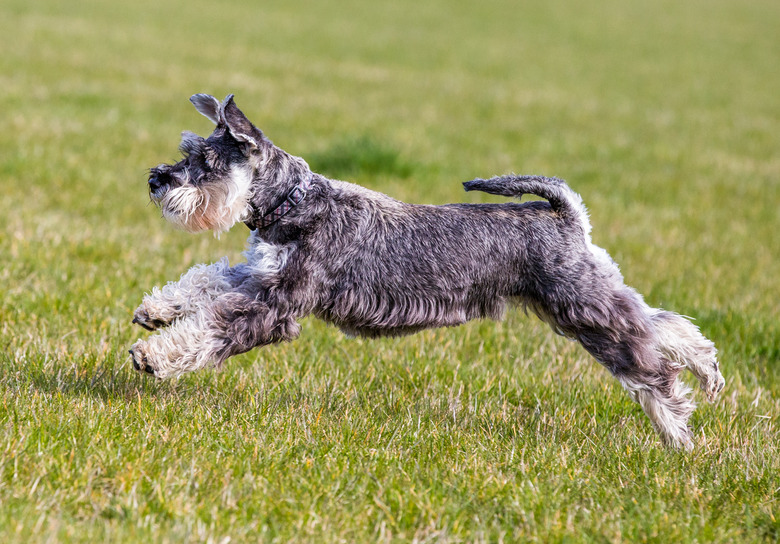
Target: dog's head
[(211, 186)]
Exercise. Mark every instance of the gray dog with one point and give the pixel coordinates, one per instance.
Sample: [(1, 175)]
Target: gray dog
[(374, 266)]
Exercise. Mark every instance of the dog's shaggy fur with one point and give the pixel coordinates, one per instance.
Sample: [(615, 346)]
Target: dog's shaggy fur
[(375, 266)]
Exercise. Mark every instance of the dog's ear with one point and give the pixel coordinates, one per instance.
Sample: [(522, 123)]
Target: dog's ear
[(209, 106), (239, 126), (190, 142)]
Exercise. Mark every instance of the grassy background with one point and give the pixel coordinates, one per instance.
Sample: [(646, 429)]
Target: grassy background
[(664, 115)]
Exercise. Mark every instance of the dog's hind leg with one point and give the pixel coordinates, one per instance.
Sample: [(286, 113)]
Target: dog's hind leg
[(614, 327), (681, 341), (651, 380)]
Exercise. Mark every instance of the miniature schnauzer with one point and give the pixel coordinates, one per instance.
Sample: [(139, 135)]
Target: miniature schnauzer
[(374, 266)]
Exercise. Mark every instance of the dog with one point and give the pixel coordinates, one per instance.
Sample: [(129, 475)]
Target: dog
[(374, 266)]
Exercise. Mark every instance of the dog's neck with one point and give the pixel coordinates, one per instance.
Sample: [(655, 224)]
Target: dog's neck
[(293, 199), (280, 184)]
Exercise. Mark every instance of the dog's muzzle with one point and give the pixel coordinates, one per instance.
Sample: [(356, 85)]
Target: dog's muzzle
[(158, 185), (155, 183)]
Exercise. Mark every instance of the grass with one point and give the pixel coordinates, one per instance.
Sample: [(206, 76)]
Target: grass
[(665, 116)]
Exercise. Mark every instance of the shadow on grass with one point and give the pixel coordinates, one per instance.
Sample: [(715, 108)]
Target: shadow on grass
[(106, 378), (359, 156)]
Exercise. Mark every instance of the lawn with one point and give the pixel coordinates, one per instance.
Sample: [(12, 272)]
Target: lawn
[(664, 115)]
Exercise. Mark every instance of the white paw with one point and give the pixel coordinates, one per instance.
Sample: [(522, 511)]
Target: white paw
[(141, 362)]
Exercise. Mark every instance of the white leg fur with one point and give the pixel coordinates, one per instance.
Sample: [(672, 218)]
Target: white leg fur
[(681, 341), (188, 344), (669, 415), (196, 288)]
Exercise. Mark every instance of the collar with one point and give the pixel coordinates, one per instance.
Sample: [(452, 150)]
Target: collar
[(292, 199)]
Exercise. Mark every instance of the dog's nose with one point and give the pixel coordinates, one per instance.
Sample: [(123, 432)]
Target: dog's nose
[(155, 182)]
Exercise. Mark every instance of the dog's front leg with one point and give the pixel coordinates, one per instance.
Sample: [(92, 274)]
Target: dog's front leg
[(232, 323), (196, 288)]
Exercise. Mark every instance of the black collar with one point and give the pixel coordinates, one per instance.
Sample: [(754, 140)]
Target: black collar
[(292, 199)]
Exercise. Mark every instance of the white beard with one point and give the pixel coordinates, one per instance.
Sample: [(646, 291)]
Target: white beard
[(213, 206)]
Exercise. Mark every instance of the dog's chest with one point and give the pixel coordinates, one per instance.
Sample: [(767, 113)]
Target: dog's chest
[(265, 258)]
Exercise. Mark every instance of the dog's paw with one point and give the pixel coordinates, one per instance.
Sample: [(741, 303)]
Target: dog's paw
[(143, 318), (714, 384), (141, 361)]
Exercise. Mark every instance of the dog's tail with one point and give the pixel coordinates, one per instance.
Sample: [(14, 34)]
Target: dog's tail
[(562, 199)]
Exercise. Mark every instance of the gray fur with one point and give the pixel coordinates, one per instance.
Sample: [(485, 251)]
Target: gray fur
[(374, 266)]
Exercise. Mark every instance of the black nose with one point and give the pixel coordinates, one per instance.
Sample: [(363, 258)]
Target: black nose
[(155, 182)]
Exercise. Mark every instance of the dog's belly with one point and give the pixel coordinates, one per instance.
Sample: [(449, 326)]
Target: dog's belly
[(402, 317), (385, 307)]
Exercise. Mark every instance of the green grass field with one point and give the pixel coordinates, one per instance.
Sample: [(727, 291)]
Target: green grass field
[(664, 115)]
